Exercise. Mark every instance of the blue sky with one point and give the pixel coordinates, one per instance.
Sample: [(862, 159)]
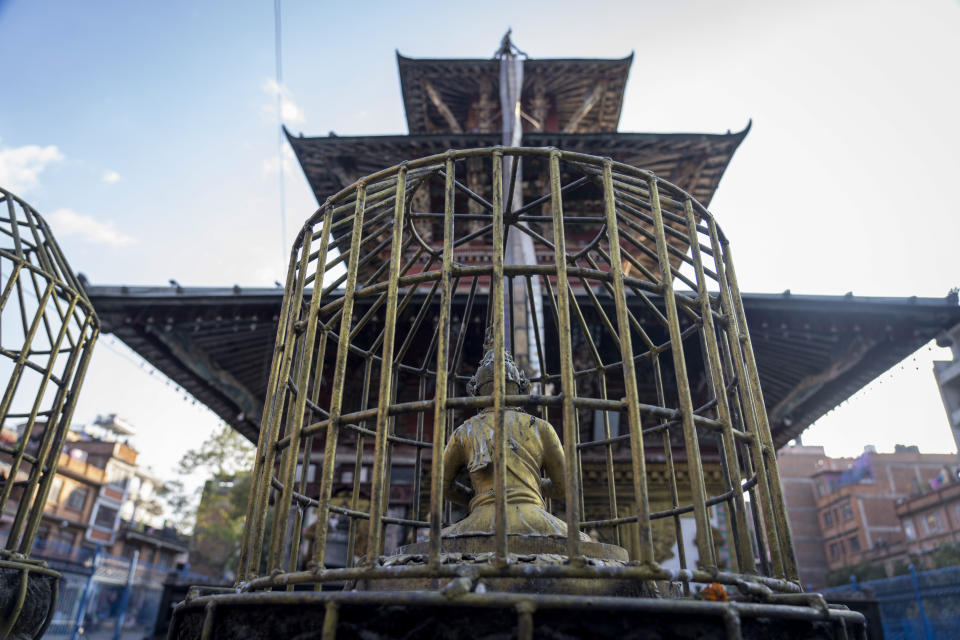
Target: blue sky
[(146, 133)]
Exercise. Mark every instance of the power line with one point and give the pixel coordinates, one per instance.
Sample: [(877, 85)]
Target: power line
[(278, 57)]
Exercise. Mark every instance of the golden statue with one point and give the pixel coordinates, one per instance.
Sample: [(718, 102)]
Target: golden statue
[(532, 445)]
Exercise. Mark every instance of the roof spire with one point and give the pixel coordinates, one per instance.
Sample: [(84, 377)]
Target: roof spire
[(507, 48)]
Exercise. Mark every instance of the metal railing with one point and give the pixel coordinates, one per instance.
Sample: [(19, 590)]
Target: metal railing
[(922, 605)]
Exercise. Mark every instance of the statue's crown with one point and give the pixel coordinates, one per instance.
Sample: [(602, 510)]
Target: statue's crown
[(485, 369)]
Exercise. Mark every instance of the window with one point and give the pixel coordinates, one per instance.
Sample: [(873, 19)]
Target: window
[(932, 523), (401, 475), (78, 498), (65, 537), (828, 519), (846, 511), (364, 474), (346, 476), (105, 518), (311, 472), (909, 529), (599, 432), (55, 488), (834, 550), (854, 544)]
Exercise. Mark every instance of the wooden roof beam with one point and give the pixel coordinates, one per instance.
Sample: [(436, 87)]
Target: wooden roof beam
[(442, 107), (588, 104)]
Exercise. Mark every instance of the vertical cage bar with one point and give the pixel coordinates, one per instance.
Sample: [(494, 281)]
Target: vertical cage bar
[(339, 375), (65, 398), (695, 469), (766, 441), (12, 384), (442, 386), (358, 463), (744, 555), (280, 409), (303, 383), (380, 472), (638, 460), (748, 406), (499, 367), (567, 384), (44, 451), (245, 568)]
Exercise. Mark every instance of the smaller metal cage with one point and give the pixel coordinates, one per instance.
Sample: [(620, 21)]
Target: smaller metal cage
[(47, 331)]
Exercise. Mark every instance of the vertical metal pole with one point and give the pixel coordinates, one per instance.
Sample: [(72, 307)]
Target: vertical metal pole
[(691, 442), (640, 493), (738, 346), (245, 567), (303, 384), (769, 454), (743, 555), (499, 368), (336, 389), (125, 598), (380, 471), (85, 598), (927, 631), (443, 346), (567, 383)]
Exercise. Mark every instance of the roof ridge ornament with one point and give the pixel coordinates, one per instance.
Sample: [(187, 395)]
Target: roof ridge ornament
[(507, 48)]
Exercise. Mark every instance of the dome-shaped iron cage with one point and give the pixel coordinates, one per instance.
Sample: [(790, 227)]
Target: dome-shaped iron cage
[(622, 306), (47, 331)]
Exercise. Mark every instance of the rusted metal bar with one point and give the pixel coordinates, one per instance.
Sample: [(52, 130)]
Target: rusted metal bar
[(641, 496), (566, 366), (499, 368), (744, 554), (380, 470), (691, 443), (766, 442), (336, 391), (748, 406), (442, 385)]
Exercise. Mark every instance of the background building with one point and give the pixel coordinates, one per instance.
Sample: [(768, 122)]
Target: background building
[(948, 378), (871, 509)]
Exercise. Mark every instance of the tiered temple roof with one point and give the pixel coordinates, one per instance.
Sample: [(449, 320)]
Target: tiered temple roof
[(813, 352)]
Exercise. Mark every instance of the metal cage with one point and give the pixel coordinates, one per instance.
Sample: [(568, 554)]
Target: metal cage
[(47, 331), (632, 311)]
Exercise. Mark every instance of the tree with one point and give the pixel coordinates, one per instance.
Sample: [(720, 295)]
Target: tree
[(226, 459), (946, 555), (864, 571), (224, 454)]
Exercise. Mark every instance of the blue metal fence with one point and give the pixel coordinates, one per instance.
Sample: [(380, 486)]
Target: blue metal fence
[(104, 596), (919, 606)]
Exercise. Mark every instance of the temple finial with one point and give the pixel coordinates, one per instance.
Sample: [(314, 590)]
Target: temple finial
[(507, 48)]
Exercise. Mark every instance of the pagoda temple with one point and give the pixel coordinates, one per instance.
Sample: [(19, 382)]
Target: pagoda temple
[(812, 352)]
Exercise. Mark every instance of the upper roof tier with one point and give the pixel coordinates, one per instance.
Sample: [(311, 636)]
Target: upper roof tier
[(558, 95), (694, 162)]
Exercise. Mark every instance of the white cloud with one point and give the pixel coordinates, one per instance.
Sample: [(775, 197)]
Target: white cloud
[(110, 177), (271, 165), (20, 167), (291, 111), (66, 222)]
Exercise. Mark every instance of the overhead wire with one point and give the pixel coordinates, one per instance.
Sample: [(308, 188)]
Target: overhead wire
[(278, 58)]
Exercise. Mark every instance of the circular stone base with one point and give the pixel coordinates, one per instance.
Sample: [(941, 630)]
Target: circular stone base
[(415, 615), (30, 605), (477, 551)]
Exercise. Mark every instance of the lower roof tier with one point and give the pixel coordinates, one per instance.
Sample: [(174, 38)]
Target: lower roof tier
[(813, 352)]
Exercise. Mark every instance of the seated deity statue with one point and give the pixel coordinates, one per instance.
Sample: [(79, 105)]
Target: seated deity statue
[(532, 445)]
